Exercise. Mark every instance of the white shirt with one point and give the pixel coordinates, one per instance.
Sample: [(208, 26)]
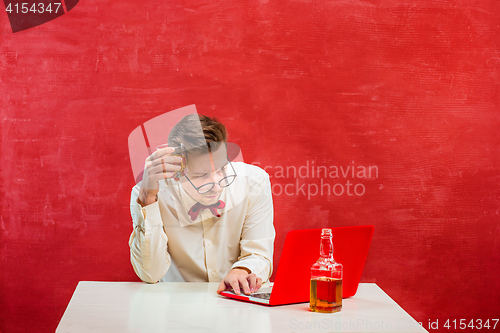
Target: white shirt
[(165, 244)]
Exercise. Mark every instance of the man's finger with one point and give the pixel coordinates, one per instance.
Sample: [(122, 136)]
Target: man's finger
[(163, 168), (252, 281), (167, 159), (236, 286), (159, 176), (159, 153), (259, 283), (244, 286), (222, 287)]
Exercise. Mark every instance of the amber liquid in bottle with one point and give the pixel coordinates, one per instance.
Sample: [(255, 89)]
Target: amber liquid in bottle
[(326, 294), (326, 279)]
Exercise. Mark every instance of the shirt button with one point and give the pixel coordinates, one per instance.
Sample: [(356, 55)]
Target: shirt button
[(213, 273), (208, 243)]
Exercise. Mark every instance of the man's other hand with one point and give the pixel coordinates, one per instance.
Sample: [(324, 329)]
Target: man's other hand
[(240, 279)]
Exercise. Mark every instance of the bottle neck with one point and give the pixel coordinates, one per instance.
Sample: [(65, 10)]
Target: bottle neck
[(326, 247)]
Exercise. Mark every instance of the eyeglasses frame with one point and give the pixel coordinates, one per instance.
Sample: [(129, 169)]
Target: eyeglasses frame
[(213, 183)]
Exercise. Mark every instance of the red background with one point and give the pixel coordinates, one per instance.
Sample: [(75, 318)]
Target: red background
[(409, 86)]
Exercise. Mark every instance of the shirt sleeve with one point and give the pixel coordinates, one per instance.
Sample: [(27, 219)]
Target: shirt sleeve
[(148, 241), (257, 237)]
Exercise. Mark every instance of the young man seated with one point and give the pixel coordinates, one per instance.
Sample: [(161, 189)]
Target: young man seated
[(214, 223)]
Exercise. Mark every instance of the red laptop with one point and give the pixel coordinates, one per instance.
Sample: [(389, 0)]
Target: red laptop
[(301, 250)]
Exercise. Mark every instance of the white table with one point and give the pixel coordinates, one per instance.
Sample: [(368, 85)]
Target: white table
[(195, 307)]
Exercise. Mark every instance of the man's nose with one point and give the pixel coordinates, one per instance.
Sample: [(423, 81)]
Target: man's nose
[(215, 178)]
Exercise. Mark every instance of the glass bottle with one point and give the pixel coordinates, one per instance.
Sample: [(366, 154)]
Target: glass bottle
[(326, 278)]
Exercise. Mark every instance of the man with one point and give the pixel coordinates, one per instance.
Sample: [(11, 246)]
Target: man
[(215, 223)]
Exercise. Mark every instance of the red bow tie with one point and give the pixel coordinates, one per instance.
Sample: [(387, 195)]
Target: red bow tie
[(198, 207)]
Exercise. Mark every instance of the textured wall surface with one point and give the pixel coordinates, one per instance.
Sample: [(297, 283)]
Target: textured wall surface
[(408, 90)]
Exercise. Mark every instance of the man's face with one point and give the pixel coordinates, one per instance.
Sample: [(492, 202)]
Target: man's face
[(203, 169)]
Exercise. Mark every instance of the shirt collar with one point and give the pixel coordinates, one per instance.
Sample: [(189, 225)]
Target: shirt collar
[(186, 202)]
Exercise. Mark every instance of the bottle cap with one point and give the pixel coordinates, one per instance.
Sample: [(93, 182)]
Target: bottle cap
[(326, 232)]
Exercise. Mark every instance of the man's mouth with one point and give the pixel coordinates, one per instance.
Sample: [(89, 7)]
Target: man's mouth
[(212, 196)]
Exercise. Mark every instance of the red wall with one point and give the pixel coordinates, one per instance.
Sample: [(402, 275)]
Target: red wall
[(410, 87)]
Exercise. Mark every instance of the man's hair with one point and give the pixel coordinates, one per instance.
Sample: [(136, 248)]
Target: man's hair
[(195, 138)]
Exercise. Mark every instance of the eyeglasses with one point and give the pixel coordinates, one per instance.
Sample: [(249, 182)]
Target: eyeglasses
[(224, 182)]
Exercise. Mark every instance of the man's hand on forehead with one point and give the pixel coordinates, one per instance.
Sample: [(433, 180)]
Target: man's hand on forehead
[(158, 166)]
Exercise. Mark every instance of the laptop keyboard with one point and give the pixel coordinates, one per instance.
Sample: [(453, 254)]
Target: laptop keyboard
[(266, 296)]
